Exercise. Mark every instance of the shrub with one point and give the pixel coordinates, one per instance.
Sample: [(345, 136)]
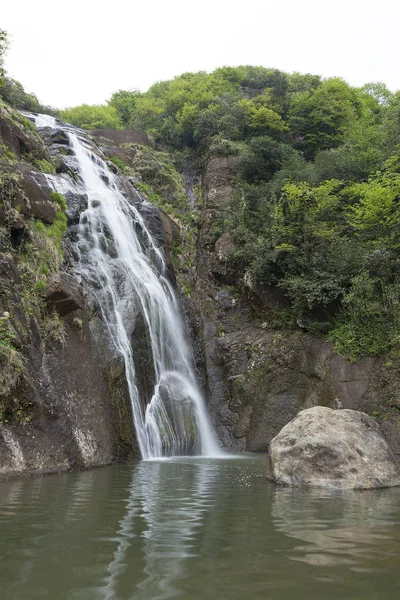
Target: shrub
[(59, 199), (44, 166)]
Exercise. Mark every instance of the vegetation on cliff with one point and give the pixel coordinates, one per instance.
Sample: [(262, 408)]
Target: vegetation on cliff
[(32, 223), (317, 189)]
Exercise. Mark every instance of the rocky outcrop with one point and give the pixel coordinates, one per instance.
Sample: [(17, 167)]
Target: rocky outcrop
[(119, 143), (257, 378), (329, 448), (23, 142), (63, 294)]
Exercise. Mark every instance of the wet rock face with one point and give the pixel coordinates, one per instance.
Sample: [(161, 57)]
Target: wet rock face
[(329, 448)]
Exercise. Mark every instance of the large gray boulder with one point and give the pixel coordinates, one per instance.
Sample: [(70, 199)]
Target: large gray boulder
[(329, 448)]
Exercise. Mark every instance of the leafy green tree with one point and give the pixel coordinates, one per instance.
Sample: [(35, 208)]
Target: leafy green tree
[(308, 249), (320, 118), (263, 158), (374, 210), (260, 116), (13, 93), (303, 82), (3, 50), (370, 320), (124, 103), (94, 116), (391, 122)]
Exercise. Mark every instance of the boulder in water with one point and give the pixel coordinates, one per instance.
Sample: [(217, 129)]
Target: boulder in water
[(329, 448)]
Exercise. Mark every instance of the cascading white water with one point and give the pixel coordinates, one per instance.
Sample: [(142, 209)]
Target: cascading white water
[(122, 268)]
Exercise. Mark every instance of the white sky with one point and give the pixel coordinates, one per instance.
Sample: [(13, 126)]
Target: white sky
[(82, 50)]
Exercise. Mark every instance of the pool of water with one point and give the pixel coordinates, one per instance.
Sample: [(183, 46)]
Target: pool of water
[(194, 529)]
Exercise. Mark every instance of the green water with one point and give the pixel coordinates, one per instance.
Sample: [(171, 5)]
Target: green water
[(194, 529)]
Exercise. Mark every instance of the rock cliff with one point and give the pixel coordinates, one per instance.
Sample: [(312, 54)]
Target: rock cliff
[(258, 378)]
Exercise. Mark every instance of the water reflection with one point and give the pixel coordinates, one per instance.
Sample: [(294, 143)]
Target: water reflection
[(194, 529), (165, 508), (353, 528)]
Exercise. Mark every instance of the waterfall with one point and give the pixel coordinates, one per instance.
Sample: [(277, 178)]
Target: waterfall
[(124, 272)]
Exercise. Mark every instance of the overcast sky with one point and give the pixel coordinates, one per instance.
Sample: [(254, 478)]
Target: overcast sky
[(80, 51)]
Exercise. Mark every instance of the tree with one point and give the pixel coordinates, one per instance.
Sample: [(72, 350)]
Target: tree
[(124, 103), (319, 118), (95, 116), (374, 208), (263, 158), (3, 50)]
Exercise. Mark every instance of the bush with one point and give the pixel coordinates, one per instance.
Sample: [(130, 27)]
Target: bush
[(45, 167), (59, 199), (370, 322)]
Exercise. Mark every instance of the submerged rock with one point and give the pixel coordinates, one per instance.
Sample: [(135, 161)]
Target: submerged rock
[(322, 447)]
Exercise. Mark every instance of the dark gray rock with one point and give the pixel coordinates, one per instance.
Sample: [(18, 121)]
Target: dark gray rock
[(34, 195), (76, 204), (64, 294)]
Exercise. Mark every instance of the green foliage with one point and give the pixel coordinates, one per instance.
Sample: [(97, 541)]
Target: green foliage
[(118, 163), (9, 186), (262, 159), (374, 211), (94, 116), (194, 108), (59, 199), (320, 117), (47, 242), (77, 323), (220, 146), (156, 170), (370, 323), (6, 155), (13, 93), (6, 334), (57, 229), (40, 254), (45, 166), (124, 104), (10, 361), (27, 124), (306, 251), (333, 249), (260, 116), (3, 50)]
